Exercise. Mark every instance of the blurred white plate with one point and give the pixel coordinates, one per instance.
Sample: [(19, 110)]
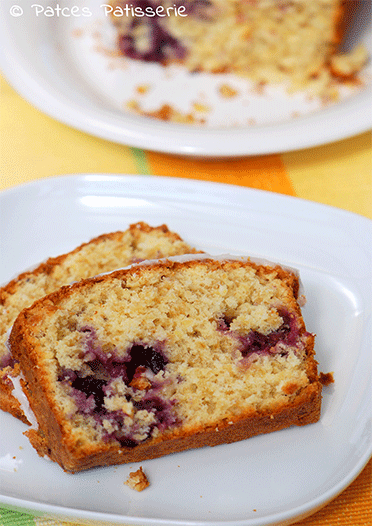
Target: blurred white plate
[(270, 479), (60, 64)]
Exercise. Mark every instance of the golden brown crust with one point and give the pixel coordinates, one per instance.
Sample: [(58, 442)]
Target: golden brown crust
[(344, 15), (46, 267), (64, 292), (305, 410), (54, 437)]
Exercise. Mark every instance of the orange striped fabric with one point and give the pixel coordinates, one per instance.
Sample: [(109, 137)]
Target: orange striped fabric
[(264, 173), (353, 507)]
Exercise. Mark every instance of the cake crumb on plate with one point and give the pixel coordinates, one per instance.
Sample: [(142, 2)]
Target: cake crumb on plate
[(137, 480)]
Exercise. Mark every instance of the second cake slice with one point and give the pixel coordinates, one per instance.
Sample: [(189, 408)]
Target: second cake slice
[(102, 254)]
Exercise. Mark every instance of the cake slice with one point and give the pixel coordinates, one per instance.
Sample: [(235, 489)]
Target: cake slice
[(102, 254), (265, 40), (166, 356)]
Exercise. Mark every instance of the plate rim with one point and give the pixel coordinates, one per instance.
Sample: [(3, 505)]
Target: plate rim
[(311, 507), (170, 138), (182, 181), (295, 515), (291, 204)]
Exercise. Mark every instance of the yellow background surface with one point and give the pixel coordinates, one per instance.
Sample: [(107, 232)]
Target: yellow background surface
[(34, 146)]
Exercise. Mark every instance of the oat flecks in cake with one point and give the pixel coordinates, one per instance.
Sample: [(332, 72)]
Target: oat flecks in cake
[(137, 480), (155, 359), (102, 254)]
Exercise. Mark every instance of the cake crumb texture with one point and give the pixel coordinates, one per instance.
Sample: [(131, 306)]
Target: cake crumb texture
[(155, 359)]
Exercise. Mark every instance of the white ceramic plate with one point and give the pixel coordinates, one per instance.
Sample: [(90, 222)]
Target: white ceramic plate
[(58, 63), (270, 479)]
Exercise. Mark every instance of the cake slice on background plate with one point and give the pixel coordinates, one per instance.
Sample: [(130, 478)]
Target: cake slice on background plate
[(265, 40)]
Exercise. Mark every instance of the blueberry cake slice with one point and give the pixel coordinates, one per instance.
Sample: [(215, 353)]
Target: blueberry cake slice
[(102, 254), (165, 356), (266, 40)]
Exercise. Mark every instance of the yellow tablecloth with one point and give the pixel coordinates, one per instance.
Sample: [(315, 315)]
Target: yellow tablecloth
[(34, 146)]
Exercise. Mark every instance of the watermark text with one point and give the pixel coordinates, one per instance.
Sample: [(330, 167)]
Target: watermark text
[(129, 10), (137, 11)]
